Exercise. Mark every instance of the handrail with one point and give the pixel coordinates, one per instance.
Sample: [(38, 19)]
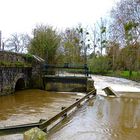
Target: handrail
[(66, 66), (43, 125)]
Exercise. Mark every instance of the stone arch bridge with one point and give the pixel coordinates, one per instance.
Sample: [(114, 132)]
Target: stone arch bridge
[(14, 78), (19, 71)]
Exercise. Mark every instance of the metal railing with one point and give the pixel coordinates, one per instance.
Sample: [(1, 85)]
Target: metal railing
[(43, 125), (48, 69)]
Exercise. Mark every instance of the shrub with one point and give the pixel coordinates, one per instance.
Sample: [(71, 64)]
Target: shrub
[(99, 65)]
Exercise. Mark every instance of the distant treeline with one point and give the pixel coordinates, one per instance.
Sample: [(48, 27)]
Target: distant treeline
[(113, 44)]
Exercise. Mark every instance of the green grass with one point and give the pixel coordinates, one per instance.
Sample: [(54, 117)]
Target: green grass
[(14, 64), (125, 74)]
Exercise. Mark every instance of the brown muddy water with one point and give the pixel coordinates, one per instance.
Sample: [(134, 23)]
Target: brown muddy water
[(30, 106), (108, 118)]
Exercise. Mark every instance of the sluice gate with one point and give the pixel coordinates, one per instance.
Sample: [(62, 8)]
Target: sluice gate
[(67, 78)]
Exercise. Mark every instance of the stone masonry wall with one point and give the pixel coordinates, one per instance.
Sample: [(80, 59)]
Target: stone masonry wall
[(11, 56), (10, 72), (10, 75)]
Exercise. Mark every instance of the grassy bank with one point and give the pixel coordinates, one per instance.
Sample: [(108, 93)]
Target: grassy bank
[(125, 74)]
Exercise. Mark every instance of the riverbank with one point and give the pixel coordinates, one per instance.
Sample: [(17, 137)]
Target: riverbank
[(135, 76), (124, 74)]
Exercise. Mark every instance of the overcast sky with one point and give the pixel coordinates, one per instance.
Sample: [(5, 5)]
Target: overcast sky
[(23, 15)]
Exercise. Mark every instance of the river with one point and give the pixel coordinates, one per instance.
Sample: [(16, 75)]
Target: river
[(107, 118), (29, 106)]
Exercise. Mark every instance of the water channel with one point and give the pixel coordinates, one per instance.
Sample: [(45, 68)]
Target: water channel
[(108, 118)]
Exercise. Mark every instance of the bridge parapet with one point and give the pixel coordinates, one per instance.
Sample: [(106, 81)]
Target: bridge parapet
[(11, 56)]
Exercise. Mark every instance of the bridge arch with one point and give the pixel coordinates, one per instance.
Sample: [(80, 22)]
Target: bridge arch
[(19, 82)]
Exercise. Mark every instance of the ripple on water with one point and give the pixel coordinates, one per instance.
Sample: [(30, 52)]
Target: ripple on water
[(108, 118), (105, 119)]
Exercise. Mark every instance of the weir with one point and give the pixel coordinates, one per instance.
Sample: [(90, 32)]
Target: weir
[(65, 78), (68, 83), (19, 71), (74, 78)]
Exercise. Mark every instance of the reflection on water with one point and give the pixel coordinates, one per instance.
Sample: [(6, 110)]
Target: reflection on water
[(105, 118), (108, 118)]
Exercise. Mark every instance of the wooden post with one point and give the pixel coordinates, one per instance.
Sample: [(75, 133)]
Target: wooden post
[(0, 40), (3, 46)]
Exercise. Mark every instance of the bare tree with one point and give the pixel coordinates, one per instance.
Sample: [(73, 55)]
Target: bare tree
[(94, 37), (126, 12), (17, 42), (71, 46), (125, 30), (84, 41)]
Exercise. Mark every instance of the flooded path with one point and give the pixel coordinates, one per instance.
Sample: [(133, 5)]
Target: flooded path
[(104, 118)]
